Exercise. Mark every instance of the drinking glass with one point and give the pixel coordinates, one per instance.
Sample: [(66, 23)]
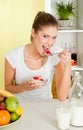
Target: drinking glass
[(63, 115)]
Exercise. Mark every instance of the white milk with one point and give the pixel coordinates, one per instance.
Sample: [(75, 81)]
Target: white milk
[(77, 115), (63, 118)]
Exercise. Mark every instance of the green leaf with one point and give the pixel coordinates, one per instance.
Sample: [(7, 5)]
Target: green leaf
[(64, 11)]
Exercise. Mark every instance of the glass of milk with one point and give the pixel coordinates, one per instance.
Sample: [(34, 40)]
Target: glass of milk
[(63, 115), (77, 112)]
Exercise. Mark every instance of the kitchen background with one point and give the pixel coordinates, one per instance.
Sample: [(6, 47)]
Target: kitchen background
[(16, 18)]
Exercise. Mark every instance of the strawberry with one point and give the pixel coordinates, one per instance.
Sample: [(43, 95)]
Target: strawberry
[(36, 77), (48, 52)]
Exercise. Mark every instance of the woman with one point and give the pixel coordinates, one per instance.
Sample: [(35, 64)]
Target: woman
[(30, 60)]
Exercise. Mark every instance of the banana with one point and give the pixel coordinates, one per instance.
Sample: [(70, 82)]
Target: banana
[(6, 93)]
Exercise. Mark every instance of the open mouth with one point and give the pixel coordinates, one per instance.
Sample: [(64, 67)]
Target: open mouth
[(46, 51)]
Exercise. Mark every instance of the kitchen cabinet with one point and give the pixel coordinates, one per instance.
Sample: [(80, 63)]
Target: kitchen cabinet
[(70, 35)]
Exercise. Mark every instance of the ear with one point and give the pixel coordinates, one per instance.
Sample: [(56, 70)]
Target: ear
[(33, 33)]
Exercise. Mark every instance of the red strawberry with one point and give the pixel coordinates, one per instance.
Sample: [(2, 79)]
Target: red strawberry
[(36, 77), (48, 52)]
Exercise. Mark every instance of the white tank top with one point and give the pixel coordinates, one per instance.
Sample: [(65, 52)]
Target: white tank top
[(15, 58)]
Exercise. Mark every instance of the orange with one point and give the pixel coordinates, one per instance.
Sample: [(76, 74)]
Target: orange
[(4, 117)]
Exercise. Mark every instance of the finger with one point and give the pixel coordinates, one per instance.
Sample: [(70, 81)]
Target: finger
[(35, 85)]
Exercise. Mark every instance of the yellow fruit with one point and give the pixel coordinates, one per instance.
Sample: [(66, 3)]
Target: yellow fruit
[(19, 110), (6, 93)]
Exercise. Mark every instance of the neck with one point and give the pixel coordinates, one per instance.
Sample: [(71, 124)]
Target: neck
[(30, 53)]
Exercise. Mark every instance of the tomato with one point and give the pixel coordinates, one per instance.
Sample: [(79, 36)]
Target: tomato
[(4, 117)]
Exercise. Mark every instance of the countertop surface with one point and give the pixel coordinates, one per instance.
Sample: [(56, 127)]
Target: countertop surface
[(37, 115)]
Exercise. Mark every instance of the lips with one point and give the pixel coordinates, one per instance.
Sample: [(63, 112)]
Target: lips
[(46, 50)]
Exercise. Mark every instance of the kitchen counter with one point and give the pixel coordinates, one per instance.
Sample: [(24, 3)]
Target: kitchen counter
[(37, 115)]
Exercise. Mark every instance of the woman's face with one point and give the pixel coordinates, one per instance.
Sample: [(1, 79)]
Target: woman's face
[(44, 38)]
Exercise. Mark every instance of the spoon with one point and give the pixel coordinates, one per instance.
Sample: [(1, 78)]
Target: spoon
[(57, 53), (51, 54), (47, 52)]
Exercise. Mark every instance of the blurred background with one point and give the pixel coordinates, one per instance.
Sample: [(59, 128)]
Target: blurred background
[(16, 18)]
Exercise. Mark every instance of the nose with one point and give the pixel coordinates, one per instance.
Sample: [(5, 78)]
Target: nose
[(50, 42)]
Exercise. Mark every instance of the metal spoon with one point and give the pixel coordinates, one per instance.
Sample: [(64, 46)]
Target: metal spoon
[(55, 53)]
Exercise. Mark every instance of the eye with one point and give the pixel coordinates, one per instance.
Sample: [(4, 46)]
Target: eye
[(45, 36), (54, 38)]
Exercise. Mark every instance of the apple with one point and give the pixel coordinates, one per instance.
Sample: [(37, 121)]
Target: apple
[(11, 104)]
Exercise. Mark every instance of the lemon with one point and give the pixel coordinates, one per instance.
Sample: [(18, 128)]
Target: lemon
[(19, 111)]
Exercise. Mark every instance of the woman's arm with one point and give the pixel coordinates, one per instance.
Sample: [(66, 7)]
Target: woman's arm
[(9, 81), (63, 75)]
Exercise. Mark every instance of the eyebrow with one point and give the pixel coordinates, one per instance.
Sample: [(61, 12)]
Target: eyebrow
[(43, 33)]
